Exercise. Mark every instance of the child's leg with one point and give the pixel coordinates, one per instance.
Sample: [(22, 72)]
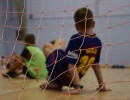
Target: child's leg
[(57, 84), (59, 44), (50, 86), (48, 48)]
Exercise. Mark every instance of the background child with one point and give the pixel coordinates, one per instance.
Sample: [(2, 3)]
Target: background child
[(30, 60)]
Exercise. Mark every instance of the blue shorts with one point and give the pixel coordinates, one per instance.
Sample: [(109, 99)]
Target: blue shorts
[(57, 68)]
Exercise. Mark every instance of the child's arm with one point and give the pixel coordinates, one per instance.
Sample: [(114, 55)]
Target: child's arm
[(75, 80), (99, 76), (74, 73)]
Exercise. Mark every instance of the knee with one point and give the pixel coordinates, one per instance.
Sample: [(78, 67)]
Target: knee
[(60, 43), (47, 49)]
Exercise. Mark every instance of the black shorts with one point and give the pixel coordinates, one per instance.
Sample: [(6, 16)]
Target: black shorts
[(25, 72)]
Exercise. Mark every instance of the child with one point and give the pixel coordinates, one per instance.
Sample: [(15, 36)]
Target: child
[(30, 60), (4, 60), (67, 67)]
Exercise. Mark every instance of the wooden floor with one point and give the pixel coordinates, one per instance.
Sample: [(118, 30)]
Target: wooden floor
[(116, 79)]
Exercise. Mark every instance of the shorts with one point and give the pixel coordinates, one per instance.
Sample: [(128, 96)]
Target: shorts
[(57, 71), (25, 72)]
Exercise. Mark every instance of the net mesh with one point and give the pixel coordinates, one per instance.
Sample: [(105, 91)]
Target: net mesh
[(49, 19)]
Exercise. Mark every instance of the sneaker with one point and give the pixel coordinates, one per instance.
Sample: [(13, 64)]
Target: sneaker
[(11, 74)]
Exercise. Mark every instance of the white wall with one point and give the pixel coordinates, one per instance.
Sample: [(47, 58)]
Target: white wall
[(45, 15)]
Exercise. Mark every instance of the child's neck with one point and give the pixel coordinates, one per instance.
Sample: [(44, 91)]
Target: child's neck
[(87, 31)]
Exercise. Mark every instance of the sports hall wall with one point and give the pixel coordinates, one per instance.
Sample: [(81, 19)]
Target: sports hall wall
[(112, 19)]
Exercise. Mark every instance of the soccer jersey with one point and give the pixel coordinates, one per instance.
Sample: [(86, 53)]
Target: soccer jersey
[(83, 51), (37, 60)]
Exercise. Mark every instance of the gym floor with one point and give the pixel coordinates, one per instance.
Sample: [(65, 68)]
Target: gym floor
[(25, 89)]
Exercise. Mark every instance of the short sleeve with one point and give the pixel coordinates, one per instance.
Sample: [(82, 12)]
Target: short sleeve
[(72, 51), (25, 53)]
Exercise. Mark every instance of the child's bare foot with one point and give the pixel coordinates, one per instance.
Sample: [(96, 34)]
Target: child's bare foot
[(103, 89)]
